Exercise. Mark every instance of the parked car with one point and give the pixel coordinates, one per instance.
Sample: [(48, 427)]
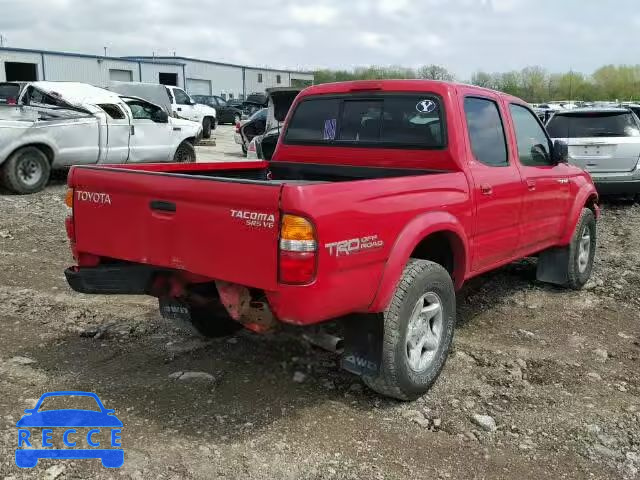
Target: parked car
[(382, 199), (10, 92), (254, 126), (175, 100), (225, 112), (59, 124), (605, 142), (279, 103)]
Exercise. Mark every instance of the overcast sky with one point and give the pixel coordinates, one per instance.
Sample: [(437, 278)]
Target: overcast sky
[(461, 35)]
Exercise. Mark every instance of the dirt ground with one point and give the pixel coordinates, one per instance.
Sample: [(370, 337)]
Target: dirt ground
[(558, 372)]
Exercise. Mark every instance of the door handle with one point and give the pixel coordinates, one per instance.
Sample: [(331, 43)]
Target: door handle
[(133, 130), (179, 109), (162, 206), (486, 189), (531, 185)]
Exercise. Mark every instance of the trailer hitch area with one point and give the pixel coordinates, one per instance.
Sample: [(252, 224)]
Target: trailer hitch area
[(254, 315)]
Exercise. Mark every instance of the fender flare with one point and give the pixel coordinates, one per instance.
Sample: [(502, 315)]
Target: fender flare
[(415, 232), (586, 192)]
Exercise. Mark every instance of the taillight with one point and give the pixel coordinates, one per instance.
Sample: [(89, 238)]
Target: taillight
[(11, 101), (237, 127), (68, 199), (298, 250), (68, 223)]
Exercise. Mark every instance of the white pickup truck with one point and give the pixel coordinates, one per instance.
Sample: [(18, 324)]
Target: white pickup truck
[(59, 124), (174, 100)]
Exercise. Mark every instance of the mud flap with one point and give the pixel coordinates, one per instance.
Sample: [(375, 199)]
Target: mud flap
[(363, 336), (553, 266)]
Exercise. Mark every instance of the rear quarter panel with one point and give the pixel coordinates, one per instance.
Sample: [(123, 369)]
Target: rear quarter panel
[(370, 216)]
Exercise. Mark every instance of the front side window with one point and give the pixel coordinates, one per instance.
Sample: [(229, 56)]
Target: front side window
[(534, 148), (617, 123), (391, 120), (181, 97), (141, 110), (486, 132)]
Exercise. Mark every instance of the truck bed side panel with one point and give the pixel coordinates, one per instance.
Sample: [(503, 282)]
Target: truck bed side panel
[(357, 228)]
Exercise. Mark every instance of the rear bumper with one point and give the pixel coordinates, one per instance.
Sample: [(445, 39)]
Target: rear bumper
[(111, 280), (617, 186), (293, 304)]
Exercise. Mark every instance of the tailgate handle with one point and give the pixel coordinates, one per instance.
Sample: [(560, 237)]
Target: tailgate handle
[(162, 206)]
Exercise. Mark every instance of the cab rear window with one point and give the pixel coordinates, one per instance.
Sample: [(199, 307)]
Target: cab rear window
[(386, 121)]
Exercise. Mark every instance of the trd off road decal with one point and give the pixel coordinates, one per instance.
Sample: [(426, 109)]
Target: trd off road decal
[(255, 219), (354, 245)]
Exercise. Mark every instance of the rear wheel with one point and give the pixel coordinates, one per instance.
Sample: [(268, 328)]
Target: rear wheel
[(206, 128), (26, 171), (418, 331), (213, 321), (186, 153)]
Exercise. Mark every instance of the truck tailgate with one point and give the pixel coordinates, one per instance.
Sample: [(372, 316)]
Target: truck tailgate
[(221, 228)]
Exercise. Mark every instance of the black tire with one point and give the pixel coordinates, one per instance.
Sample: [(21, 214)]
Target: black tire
[(213, 321), (186, 153), (396, 377), (580, 266), (206, 127), (27, 170)]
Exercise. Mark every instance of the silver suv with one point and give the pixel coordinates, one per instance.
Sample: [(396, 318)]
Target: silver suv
[(603, 141)]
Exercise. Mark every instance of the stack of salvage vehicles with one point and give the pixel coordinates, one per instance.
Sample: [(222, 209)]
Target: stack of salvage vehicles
[(52, 125)]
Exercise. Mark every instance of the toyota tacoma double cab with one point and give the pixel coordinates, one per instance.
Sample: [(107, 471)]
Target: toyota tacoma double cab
[(381, 199)]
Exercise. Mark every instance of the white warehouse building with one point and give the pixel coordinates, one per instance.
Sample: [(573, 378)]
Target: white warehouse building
[(198, 77)]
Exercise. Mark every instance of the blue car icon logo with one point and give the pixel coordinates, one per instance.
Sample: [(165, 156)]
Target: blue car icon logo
[(32, 447)]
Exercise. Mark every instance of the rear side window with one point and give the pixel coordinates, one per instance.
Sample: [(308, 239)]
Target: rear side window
[(410, 121), (486, 131), (593, 124)]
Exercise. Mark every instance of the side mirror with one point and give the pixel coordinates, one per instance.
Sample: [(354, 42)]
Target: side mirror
[(560, 152), (160, 116)]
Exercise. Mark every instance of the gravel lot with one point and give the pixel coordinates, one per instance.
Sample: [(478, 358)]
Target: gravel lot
[(542, 382)]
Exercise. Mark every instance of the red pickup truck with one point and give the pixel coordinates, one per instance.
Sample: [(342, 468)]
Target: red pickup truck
[(381, 200)]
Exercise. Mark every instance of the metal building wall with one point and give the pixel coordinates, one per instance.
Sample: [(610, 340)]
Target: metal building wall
[(88, 70), (224, 79), (151, 71), (269, 79), (25, 57)]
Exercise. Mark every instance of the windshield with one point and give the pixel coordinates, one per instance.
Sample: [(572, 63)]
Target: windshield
[(593, 124)]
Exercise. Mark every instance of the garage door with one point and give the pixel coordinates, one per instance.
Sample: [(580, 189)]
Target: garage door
[(198, 87), (120, 75)]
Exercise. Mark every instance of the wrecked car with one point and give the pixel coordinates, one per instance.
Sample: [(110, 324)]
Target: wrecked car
[(59, 124)]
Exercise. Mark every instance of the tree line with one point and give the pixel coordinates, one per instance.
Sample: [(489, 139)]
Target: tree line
[(534, 84)]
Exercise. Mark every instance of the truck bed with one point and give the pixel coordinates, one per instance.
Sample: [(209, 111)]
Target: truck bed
[(221, 220)]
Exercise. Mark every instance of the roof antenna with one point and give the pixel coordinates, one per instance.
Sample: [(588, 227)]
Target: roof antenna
[(105, 51)]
